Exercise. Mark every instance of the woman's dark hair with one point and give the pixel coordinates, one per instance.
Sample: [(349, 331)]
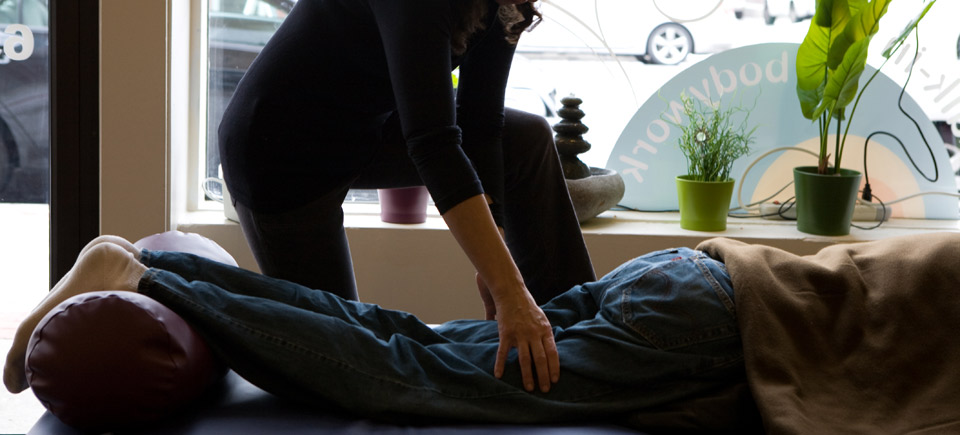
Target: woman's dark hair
[(515, 19), (518, 18)]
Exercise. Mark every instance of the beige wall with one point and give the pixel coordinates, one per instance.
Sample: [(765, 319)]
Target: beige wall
[(134, 121), (421, 269)]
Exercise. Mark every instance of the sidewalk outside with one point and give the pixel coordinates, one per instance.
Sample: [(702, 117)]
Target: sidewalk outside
[(24, 275)]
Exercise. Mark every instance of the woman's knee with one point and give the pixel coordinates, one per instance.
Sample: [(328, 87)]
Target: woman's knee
[(526, 128), (528, 140)]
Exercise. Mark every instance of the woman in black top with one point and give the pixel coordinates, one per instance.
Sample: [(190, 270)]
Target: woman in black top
[(358, 94)]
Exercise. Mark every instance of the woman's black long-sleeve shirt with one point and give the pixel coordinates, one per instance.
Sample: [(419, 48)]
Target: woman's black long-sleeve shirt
[(310, 110)]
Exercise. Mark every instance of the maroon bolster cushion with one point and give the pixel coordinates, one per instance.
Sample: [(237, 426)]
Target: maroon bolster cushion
[(113, 359)]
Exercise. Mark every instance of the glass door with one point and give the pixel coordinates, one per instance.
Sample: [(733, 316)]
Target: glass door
[(24, 181), (24, 157)]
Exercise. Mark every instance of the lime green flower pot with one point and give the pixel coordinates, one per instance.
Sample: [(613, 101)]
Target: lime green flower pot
[(704, 204), (825, 203)]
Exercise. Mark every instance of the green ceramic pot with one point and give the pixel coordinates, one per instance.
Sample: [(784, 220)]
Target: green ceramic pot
[(704, 204), (825, 203)]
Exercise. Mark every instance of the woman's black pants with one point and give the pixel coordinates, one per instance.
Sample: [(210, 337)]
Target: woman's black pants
[(308, 245)]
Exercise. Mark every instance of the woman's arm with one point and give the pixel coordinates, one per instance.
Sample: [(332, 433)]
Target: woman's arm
[(522, 324), (416, 39)]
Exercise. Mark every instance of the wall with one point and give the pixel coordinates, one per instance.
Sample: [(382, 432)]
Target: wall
[(134, 116)]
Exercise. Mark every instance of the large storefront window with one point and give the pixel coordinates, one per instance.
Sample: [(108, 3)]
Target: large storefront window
[(616, 54), (24, 181), (24, 102)]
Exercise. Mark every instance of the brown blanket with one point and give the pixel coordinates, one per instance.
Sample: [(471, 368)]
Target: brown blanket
[(859, 338)]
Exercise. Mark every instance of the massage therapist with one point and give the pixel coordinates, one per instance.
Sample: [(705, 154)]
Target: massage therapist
[(358, 94)]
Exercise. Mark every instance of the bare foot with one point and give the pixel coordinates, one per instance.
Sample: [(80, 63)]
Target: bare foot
[(101, 266)]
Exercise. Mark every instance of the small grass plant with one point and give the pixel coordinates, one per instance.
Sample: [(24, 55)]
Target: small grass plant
[(712, 138)]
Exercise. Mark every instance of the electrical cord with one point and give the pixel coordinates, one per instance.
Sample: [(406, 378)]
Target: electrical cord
[(751, 165), (883, 217), (914, 195), (781, 211), (867, 192)]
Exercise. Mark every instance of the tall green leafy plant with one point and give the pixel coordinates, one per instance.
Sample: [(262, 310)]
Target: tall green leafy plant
[(830, 62)]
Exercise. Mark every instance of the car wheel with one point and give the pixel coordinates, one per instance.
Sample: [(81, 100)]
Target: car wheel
[(669, 44)]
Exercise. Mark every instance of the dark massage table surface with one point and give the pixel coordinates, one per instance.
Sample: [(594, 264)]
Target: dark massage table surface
[(237, 407)]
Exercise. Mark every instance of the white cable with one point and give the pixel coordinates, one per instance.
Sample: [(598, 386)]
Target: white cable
[(785, 186), (932, 192), (754, 162), (750, 206)]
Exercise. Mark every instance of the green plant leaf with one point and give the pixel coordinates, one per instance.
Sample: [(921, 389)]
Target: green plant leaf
[(813, 55), (863, 23), (842, 13), (840, 16), (895, 43), (843, 82), (810, 99), (822, 16), (812, 68)]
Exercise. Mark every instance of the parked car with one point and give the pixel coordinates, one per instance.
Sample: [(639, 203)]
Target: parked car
[(660, 32), (770, 10), (24, 103)]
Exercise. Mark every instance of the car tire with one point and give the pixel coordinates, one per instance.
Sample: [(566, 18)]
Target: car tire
[(669, 44)]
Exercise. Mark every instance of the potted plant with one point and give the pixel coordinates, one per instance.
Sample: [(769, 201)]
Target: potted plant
[(711, 140), (830, 63)]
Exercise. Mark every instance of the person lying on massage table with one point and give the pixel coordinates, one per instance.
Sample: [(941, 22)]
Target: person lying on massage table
[(659, 329)]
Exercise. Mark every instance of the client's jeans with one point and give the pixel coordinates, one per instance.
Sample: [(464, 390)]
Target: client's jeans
[(658, 329)]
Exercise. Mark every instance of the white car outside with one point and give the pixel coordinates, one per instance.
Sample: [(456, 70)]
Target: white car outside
[(655, 31)]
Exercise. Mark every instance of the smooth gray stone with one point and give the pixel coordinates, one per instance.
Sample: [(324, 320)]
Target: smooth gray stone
[(595, 194)]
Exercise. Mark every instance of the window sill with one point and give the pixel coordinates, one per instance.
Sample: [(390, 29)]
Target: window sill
[(616, 224), (419, 268), (668, 223)]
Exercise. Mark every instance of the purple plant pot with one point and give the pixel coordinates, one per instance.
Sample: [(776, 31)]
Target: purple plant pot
[(404, 205)]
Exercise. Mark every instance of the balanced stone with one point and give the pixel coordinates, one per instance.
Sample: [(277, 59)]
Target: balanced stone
[(569, 139), (592, 190)]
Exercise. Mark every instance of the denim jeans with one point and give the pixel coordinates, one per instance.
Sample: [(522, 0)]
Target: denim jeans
[(659, 329)]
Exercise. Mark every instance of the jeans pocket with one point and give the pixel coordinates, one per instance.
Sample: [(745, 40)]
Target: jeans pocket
[(679, 304)]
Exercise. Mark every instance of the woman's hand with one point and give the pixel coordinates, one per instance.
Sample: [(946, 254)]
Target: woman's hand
[(524, 326)]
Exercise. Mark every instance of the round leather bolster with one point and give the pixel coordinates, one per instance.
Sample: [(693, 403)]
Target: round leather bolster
[(115, 359)]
